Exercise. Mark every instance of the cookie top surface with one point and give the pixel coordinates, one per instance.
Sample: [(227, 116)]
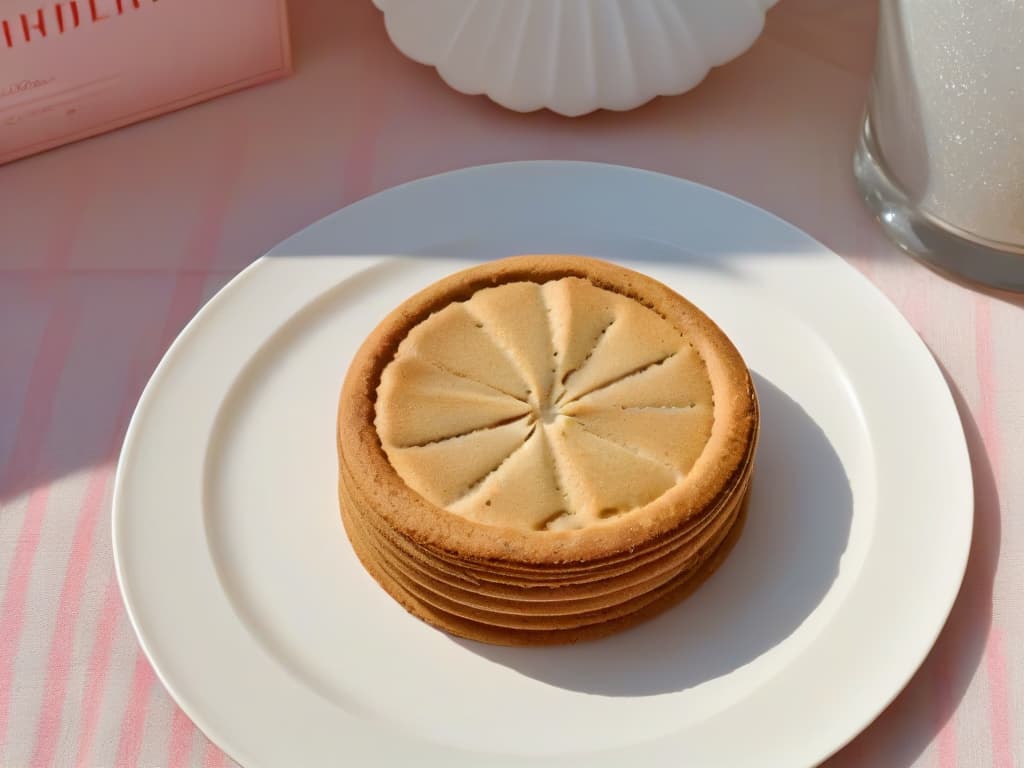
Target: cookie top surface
[(544, 406), (545, 410)]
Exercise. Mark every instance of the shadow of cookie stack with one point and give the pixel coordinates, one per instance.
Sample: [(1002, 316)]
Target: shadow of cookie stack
[(544, 449)]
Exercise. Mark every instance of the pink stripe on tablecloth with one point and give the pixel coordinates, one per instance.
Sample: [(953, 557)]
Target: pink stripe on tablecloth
[(130, 745), (999, 699), (37, 415), (61, 646), (214, 757), (988, 425), (180, 745), (99, 664)]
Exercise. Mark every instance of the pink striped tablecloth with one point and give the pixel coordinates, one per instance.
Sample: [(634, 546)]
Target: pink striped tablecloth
[(108, 247)]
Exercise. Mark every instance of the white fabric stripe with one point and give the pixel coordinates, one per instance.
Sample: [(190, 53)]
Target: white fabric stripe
[(1015, 672), (157, 731), (116, 694), (71, 713), (973, 724)]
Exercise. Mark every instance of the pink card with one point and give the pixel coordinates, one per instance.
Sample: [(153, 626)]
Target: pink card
[(74, 68)]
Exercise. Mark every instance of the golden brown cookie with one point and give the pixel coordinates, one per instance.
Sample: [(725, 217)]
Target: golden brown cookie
[(541, 446)]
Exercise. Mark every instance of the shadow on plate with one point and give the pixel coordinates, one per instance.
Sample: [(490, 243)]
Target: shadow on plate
[(783, 565)]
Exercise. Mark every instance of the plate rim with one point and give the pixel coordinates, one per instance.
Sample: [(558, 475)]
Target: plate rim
[(288, 246)]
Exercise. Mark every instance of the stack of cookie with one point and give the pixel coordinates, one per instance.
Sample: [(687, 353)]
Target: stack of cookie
[(544, 450)]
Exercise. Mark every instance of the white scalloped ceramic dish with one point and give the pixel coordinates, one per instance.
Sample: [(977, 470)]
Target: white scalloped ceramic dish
[(259, 619), (573, 56)]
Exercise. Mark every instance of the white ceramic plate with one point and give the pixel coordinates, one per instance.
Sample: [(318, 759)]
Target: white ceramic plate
[(258, 618)]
